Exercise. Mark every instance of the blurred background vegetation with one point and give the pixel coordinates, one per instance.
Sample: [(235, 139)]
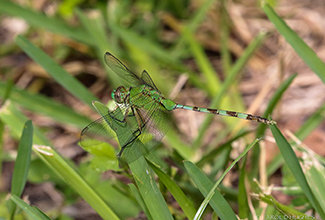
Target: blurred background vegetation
[(231, 55)]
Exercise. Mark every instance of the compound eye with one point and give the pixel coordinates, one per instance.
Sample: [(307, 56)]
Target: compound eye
[(118, 94)]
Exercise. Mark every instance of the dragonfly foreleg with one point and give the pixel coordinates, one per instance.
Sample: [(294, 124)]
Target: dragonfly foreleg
[(140, 119), (141, 123), (125, 116), (129, 142)]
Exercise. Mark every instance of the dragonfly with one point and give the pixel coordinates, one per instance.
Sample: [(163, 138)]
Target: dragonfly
[(144, 109)]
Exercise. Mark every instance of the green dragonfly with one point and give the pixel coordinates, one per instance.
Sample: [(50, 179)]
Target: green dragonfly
[(144, 110)]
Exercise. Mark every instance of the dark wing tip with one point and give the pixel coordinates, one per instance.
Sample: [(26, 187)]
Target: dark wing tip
[(84, 131)]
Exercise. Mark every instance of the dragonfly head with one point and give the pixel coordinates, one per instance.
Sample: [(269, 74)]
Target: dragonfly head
[(119, 94)]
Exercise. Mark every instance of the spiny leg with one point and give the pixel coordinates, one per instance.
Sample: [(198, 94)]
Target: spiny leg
[(125, 116), (141, 125)]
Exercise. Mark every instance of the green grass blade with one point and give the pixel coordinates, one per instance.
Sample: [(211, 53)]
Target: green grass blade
[(302, 49), (131, 37), (109, 190), (292, 162), (274, 100), (315, 176), (286, 212), (193, 24), (177, 193), (211, 77), (142, 173), (261, 128), (243, 206), (217, 202), (149, 47), (41, 213), (23, 160), (313, 121), (56, 71), (2, 128), (210, 156), (43, 105), (7, 87), (96, 31), (37, 19), (233, 74), (34, 214), (140, 201), (183, 149), (22, 163), (149, 190), (95, 28), (224, 38), (225, 211), (72, 178), (14, 119)]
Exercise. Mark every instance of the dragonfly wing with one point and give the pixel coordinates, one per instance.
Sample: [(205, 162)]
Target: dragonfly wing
[(104, 129), (97, 133), (121, 70), (148, 81), (154, 121)]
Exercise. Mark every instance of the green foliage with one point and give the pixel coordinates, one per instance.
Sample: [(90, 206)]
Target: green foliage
[(195, 188)]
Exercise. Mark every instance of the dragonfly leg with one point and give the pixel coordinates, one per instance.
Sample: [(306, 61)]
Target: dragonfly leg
[(125, 116), (140, 119), (131, 115), (129, 142), (141, 123)]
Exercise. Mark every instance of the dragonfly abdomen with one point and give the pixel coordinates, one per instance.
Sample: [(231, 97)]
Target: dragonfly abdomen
[(227, 113)]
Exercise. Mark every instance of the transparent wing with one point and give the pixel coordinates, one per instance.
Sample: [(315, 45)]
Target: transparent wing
[(97, 133), (155, 121), (148, 81), (104, 129), (146, 120), (122, 71)]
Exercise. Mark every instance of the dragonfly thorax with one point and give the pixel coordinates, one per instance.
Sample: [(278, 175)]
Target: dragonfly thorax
[(119, 94)]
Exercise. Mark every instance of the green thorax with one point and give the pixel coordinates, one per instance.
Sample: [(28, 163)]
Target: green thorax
[(141, 96)]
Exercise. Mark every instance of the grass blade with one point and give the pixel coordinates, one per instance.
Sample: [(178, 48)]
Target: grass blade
[(22, 163), (56, 71), (42, 21), (274, 100), (72, 178), (313, 121), (177, 193), (140, 201), (14, 119), (142, 173), (302, 49), (233, 74), (292, 162), (43, 105), (217, 202), (224, 212), (34, 214)]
